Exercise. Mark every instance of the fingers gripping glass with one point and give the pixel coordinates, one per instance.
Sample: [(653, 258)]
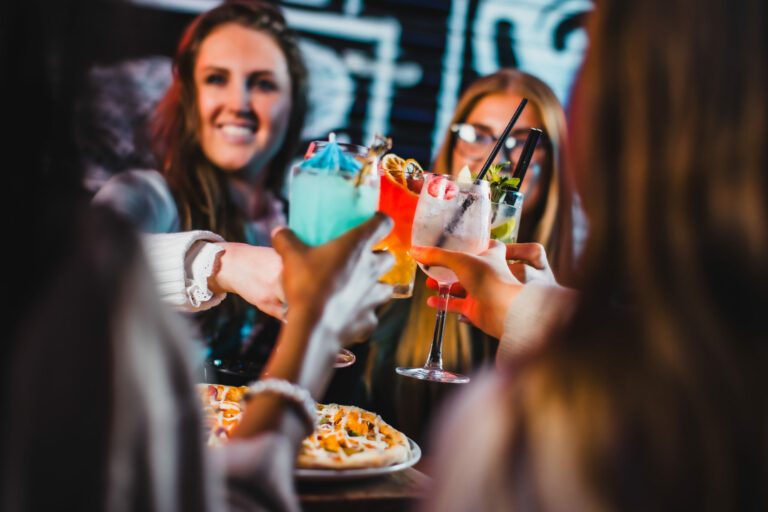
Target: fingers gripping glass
[(474, 140)]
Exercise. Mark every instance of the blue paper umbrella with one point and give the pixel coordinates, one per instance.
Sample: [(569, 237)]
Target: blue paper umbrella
[(331, 157)]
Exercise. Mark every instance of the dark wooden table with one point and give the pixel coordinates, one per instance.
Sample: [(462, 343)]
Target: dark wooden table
[(396, 492)]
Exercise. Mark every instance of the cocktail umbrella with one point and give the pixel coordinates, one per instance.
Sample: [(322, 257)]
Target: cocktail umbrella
[(332, 158)]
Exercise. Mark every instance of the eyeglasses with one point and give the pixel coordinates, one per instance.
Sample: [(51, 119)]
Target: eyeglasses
[(474, 141)]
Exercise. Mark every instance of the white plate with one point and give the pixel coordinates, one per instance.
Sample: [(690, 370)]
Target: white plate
[(326, 475)]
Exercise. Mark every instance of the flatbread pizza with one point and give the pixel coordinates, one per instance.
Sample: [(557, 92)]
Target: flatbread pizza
[(349, 437), (346, 436)]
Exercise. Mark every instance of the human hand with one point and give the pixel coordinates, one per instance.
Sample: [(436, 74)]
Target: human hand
[(332, 291), (528, 262), (487, 284), (251, 272), (337, 281)]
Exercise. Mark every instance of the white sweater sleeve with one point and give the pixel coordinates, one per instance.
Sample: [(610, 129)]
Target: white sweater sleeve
[(181, 264), (537, 311)]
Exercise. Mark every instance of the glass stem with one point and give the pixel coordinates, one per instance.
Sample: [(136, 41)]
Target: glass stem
[(435, 359)]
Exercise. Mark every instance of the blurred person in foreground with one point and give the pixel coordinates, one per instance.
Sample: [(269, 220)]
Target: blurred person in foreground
[(102, 409), (648, 391)]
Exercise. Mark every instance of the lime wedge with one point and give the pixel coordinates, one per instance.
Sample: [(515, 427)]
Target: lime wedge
[(503, 232)]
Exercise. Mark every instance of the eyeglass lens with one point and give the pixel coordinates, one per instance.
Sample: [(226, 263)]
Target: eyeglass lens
[(474, 141)]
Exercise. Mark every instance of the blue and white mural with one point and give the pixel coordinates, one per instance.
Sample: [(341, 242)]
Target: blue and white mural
[(395, 66)]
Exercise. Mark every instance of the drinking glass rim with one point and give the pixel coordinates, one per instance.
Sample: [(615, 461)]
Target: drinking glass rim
[(424, 174), (370, 180), (474, 183), (316, 170), (359, 149)]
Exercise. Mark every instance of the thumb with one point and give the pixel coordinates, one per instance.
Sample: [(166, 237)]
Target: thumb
[(532, 254), (457, 261), (285, 242), (372, 230)]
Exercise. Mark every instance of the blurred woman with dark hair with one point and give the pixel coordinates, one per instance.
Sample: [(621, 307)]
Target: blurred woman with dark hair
[(647, 393)]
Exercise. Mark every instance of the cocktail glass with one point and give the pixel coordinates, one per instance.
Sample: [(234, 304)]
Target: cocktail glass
[(505, 217), (398, 197), (453, 215), (326, 203)]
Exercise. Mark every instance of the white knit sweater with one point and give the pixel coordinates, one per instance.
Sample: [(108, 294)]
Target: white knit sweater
[(181, 264)]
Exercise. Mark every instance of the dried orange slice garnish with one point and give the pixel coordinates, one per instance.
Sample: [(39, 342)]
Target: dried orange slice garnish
[(412, 167), (399, 168), (394, 166)]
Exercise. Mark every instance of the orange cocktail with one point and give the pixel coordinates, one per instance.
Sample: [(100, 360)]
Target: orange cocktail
[(398, 196)]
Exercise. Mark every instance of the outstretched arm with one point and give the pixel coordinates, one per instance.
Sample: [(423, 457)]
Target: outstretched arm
[(332, 292)]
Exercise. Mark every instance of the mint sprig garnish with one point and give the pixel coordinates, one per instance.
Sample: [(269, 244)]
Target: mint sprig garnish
[(500, 184)]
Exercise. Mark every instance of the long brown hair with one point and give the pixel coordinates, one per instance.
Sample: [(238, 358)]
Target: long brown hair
[(198, 186), (671, 163), (654, 395)]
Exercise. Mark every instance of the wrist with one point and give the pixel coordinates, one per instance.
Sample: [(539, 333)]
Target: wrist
[(294, 395), (504, 304), (304, 323), (217, 282), (305, 349)]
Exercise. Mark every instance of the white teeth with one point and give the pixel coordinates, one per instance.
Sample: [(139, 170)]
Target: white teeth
[(236, 131)]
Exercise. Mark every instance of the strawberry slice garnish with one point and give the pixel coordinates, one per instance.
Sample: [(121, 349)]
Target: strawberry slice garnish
[(442, 188)]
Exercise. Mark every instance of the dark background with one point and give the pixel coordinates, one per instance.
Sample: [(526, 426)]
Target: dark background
[(387, 66)]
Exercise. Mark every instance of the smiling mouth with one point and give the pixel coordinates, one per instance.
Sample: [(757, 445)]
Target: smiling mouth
[(237, 133)]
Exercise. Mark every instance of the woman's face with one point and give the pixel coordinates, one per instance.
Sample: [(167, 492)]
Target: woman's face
[(489, 118), (243, 98)]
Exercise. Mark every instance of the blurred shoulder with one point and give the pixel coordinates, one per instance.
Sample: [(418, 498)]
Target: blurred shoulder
[(143, 197)]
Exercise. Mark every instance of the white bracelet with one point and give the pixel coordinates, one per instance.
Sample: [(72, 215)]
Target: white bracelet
[(293, 392)]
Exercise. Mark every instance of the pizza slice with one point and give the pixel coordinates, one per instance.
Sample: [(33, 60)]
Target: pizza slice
[(346, 436)]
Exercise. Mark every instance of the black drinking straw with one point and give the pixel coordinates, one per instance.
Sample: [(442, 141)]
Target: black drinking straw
[(502, 139), (525, 157), (491, 157)]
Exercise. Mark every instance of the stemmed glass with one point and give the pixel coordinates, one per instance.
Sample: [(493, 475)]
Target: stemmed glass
[(454, 215)]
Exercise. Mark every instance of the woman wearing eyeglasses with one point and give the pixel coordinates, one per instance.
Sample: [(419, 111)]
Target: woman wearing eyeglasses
[(482, 113)]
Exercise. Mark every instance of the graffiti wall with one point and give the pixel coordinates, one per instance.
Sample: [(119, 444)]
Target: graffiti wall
[(376, 66)]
